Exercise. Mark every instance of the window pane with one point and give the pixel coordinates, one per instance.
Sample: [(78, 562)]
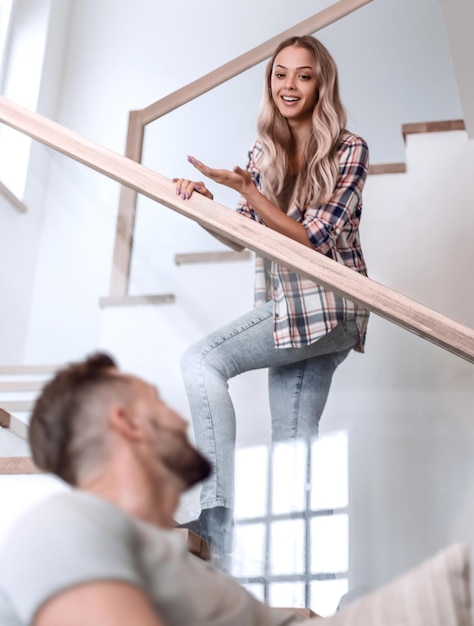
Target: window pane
[(287, 547), (251, 482), (287, 595), (326, 595), (289, 476), (329, 475), (248, 557), (329, 544)]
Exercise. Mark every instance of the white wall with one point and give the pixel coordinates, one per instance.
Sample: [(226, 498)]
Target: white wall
[(32, 79), (408, 405), (458, 17)]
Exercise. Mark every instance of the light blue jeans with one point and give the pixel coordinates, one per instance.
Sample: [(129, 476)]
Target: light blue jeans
[(298, 382)]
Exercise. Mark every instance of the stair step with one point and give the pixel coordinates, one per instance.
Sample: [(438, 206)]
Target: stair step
[(18, 465), (224, 256), (4, 419), (14, 424), (166, 298), (18, 370), (15, 386), (18, 427), (17, 406), (196, 544), (20, 385)]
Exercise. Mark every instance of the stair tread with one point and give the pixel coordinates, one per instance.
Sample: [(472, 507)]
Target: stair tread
[(196, 544), (12, 406), (18, 370), (21, 385), (18, 465)]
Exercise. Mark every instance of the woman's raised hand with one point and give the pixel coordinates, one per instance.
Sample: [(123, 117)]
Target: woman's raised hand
[(237, 179)]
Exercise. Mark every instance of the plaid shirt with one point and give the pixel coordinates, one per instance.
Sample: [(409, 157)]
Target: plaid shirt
[(303, 311)]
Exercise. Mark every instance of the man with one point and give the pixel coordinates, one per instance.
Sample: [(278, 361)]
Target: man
[(104, 553)]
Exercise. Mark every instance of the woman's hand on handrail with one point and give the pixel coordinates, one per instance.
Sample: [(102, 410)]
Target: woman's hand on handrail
[(185, 188)]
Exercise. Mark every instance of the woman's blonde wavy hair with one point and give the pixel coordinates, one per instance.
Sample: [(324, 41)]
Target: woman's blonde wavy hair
[(317, 179)]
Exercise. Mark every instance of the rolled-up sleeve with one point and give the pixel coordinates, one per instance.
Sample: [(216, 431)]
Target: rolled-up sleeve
[(243, 207), (324, 223)]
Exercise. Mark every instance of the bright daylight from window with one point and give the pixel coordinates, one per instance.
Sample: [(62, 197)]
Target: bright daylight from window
[(292, 525)]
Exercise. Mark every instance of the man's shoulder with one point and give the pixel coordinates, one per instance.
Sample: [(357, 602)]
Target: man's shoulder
[(67, 539), (66, 521), (61, 510)]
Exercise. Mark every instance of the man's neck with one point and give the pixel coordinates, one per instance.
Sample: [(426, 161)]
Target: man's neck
[(129, 489)]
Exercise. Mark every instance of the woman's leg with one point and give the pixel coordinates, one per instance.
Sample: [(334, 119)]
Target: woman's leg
[(243, 345), (298, 391)]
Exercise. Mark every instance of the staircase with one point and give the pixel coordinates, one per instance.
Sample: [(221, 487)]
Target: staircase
[(19, 387)]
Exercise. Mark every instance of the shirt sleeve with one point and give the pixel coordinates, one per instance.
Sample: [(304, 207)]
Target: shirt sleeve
[(325, 222), (63, 542), (243, 207)]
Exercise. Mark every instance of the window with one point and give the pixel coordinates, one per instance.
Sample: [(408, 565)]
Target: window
[(292, 523)]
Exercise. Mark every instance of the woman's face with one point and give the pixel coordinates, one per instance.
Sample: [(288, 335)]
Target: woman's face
[(293, 84)]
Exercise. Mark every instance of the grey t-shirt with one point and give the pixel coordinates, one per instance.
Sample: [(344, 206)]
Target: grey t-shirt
[(74, 537)]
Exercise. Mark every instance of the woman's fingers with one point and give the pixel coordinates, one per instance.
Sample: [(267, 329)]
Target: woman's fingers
[(185, 188), (222, 177)]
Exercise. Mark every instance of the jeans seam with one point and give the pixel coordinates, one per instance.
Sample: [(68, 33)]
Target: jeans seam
[(210, 419), (297, 396)]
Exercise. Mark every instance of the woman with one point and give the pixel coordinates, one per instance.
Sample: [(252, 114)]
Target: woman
[(304, 179)]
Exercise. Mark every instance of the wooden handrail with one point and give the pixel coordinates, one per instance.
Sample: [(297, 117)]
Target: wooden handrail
[(139, 119), (379, 299), (245, 61)]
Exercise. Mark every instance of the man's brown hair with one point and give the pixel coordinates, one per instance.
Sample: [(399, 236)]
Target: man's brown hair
[(55, 421)]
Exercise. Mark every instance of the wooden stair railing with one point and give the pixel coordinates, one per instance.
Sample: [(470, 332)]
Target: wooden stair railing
[(12, 199), (140, 118), (381, 300)]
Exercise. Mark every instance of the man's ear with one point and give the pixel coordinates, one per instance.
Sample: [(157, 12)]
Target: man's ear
[(122, 420)]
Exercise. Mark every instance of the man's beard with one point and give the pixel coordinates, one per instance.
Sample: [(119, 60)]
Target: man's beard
[(180, 457)]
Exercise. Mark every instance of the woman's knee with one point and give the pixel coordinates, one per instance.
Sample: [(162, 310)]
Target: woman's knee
[(203, 360)]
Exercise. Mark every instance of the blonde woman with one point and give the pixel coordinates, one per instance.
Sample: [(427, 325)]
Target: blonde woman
[(304, 179)]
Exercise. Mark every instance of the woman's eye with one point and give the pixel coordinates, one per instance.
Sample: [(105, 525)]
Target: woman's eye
[(305, 77), (279, 75)]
